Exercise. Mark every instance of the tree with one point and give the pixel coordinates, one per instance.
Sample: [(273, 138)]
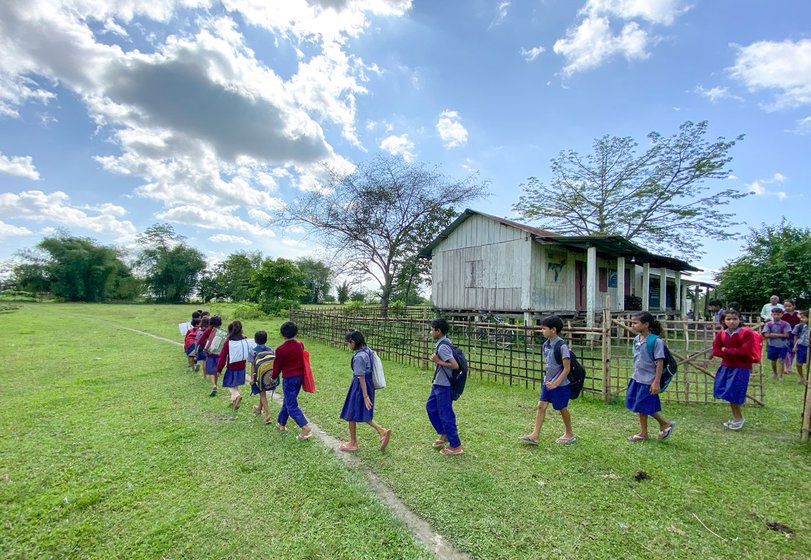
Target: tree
[(317, 279), (277, 281), (379, 216), (76, 269), (233, 277), (171, 268), (342, 291), (776, 260), (658, 198)]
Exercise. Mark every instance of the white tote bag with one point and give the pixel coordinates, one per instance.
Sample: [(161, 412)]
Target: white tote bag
[(378, 378)]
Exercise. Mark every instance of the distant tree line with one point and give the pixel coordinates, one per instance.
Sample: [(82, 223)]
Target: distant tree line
[(164, 268)]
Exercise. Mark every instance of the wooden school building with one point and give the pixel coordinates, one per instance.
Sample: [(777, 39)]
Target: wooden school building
[(485, 263)]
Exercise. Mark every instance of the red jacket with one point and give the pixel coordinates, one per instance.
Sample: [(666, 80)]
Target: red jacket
[(223, 360), (190, 337), (289, 359), (204, 338), (737, 348)]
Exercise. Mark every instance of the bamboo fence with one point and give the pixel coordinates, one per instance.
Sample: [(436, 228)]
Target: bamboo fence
[(513, 354)]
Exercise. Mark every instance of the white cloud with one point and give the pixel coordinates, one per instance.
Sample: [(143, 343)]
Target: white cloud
[(451, 131), (502, 9), (531, 54), (716, 93), (212, 218), (802, 127), (231, 239), (55, 208), (758, 188), (21, 166), (8, 230), (783, 67), (399, 146), (593, 42)]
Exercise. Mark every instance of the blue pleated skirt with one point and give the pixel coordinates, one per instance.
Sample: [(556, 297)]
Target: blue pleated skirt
[(638, 399), (731, 384), (233, 377), (354, 408), (211, 365)]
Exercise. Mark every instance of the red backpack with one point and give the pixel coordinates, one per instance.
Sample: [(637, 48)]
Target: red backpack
[(757, 345)]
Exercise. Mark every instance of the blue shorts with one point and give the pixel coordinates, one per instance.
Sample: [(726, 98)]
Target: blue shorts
[(802, 354), (773, 353), (190, 349), (559, 396)]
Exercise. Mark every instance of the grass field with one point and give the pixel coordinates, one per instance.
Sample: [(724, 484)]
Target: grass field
[(109, 448)]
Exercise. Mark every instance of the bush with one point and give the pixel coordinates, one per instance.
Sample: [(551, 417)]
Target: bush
[(247, 310), (279, 308)]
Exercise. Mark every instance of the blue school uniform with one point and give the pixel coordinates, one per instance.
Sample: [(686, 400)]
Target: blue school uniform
[(637, 397), (354, 409), (776, 348), (559, 396), (440, 403), (801, 335), (236, 377), (732, 379)]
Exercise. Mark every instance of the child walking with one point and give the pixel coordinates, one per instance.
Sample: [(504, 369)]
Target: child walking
[(642, 395), (235, 354), (290, 363), (555, 388), (360, 400), (440, 404), (199, 344), (801, 344), (734, 346), (261, 348), (212, 353), (776, 332), (190, 342), (791, 317)]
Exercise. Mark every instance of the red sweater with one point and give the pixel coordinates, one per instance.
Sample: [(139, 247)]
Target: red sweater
[(191, 334), (204, 338), (223, 360), (289, 359), (737, 348)]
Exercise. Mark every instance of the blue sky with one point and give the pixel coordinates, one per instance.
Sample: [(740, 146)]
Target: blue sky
[(115, 115)]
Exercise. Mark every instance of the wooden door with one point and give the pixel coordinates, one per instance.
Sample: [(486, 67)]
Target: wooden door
[(579, 285)]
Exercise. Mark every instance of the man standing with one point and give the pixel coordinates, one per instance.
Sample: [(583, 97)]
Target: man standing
[(766, 312)]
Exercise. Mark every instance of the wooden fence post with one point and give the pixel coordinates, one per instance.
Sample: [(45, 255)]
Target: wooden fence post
[(606, 340), (804, 434)]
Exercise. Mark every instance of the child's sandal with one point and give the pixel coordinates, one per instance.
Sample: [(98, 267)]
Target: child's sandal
[(439, 442)]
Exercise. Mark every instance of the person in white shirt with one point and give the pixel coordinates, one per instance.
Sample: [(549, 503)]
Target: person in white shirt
[(766, 311)]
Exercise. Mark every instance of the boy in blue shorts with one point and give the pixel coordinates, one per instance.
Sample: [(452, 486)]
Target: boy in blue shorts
[(801, 344), (776, 332), (440, 404), (555, 388)]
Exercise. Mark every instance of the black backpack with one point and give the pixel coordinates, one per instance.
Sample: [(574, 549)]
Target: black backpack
[(577, 373), (458, 377), (669, 367)]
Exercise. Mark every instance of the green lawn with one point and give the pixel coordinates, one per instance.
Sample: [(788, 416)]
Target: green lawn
[(119, 452)]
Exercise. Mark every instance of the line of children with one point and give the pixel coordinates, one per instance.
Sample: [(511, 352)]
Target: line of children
[(777, 332)]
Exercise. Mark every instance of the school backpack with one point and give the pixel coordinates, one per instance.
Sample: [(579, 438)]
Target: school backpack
[(577, 373), (263, 362), (757, 346), (190, 338), (669, 367), (378, 377), (216, 341), (458, 377)]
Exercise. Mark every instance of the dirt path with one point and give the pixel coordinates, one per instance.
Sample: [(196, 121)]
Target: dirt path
[(420, 528)]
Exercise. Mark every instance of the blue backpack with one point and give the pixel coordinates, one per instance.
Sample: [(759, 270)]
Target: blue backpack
[(669, 367), (458, 377)]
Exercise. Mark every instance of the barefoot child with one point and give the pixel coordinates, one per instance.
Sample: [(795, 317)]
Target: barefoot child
[(360, 400), (235, 354), (440, 404), (776, 333), (290, 363), (642, 395), (555, 388), (801, 344), (734, 346), (263, 357)]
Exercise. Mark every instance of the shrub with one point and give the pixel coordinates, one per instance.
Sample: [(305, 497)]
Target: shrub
[(279, 307)]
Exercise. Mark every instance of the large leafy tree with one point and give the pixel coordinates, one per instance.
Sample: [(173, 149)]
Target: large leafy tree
[(76, 269), (317, 279), (378, 217), (278, 280), (659, 197), (776, 260), (171, 268), (233, 277)]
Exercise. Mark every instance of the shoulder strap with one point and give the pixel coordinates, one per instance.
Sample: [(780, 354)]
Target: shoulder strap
[(557, 352), (651, 344)]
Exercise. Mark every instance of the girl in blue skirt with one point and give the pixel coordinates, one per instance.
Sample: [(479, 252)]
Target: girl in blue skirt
[(235, 353), (736, 347), (642, 395), (360, 400)]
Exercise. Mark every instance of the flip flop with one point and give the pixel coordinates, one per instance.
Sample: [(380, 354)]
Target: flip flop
[(384, 440), (256, 409), (213, 393), (268, 420), (237, 402), (303, 437), (637, 437), (280, 427), (529, 440), (664, 434), (439, 443), (566, 440), (345, 447), (451, 451)]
